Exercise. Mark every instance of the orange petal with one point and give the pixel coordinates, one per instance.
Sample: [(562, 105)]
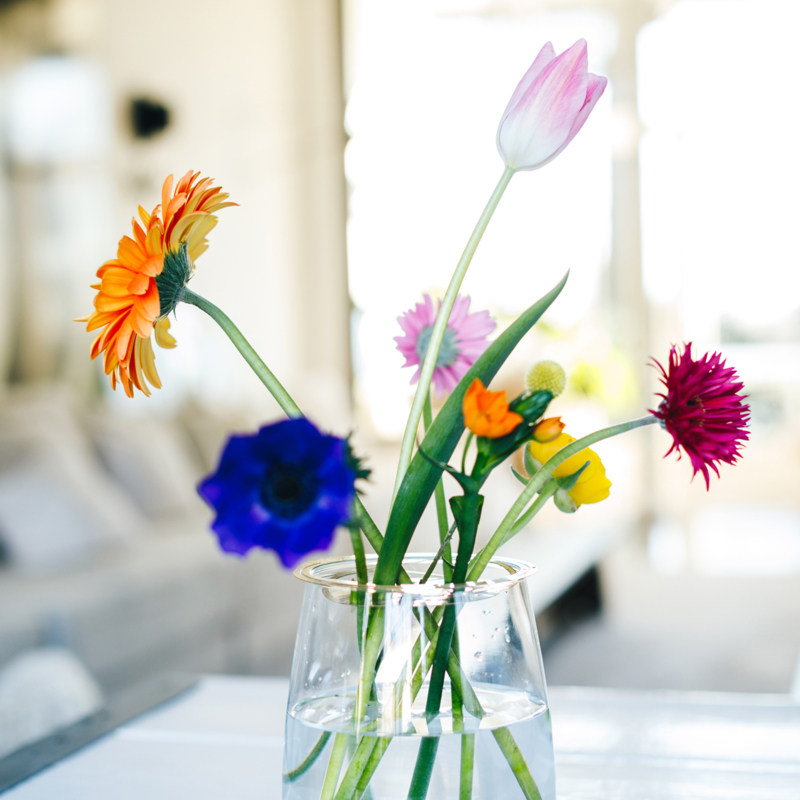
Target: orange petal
[(166, 191), (105, 303), (130, 253), (139, 284)]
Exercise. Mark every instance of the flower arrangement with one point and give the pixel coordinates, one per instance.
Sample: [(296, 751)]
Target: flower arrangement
[(289, 486)]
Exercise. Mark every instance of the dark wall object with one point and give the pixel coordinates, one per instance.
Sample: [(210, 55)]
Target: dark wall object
[(148, 117)]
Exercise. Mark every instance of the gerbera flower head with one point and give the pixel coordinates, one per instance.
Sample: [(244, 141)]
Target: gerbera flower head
[(286, 488), (142, 284), (702, 409), (464, 340)]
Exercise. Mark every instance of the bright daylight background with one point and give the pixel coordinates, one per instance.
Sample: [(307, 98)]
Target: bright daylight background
[(358, 139)]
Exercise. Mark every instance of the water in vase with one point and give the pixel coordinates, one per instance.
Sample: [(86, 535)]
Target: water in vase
[(315, 723)]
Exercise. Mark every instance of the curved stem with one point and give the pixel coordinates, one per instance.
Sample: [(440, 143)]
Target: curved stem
[(275, 387), (437, 335), (538, 481), (246, 349), (309, 760), (536, 506)]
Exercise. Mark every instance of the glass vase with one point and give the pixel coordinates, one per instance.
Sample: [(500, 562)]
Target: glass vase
[(369, 717)]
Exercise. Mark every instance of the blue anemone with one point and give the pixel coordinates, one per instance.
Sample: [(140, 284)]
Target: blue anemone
[(285, 488)]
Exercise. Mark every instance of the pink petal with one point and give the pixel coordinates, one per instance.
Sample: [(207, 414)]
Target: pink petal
[(594, 91), (545, 56), (541, 120), (476, 326)]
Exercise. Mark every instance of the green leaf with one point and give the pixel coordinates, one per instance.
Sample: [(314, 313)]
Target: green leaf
[(521, 478), (532, 466), (441, 441), (568, 481)]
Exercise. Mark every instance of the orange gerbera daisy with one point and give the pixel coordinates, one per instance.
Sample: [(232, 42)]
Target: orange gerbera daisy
[(139, 288)]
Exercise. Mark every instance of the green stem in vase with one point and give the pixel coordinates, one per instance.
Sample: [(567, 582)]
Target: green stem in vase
[(467, 766), (516, 761), (362, 787), (309, 760), (467, 512), (423, 769), (359, 596), (355, 769), (334, 767), (440, 326)]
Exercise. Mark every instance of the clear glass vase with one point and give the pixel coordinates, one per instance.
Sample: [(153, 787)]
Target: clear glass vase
[(368, 716)]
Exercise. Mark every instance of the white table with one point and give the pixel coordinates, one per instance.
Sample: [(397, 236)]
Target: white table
[(222, 740)]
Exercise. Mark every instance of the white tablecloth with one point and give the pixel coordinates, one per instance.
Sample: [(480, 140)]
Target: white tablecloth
[(222, 741)]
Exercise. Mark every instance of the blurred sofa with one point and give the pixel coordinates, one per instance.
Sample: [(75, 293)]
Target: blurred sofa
[(106, 549)]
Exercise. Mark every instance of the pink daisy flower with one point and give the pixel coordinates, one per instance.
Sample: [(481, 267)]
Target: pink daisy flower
[(703, 409), (464, 340)]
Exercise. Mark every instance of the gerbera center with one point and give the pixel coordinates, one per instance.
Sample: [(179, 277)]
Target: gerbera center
[(287, 491), (449, 350)]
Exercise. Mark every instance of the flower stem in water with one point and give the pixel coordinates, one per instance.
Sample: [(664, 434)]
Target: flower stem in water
[(467, 766), (334, 767), (309, 760)]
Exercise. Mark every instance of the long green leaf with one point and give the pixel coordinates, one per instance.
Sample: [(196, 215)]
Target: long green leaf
[(441, 441)]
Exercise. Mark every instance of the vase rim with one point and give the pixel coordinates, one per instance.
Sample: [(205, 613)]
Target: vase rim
[(332, 572)]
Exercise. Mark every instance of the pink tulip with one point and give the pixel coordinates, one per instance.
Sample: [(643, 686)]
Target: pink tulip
[(548, 107)]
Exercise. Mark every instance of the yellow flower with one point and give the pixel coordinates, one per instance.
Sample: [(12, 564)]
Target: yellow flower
[(486, 413), (127, 306), (592, 486)]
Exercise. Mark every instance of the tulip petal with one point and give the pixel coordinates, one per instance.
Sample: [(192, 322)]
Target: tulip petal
[(545, 56), (594, 91), (542, 119)]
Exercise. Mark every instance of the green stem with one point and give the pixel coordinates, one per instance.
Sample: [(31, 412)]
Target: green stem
[(275, 387), (537, 482), (359, 596), (467, 766), (356, 768), (535, 507), (516, 761), (334, 767), (368, 525), (444, 548), (467, 443), (423, 769), (246, 349), (304, 765), (362, 787), (441, 506), (360, 556), (437, 335)]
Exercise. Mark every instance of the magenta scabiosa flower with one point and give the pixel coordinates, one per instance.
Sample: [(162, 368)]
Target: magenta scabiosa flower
[(286, 488), (703, 409), (464, 340)]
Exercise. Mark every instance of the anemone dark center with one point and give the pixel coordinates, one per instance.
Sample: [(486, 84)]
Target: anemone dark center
[(287, 491), (449, 350)]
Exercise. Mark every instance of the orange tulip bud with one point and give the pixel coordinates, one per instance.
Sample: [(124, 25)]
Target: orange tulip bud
[(486, 413), (548, 429)]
